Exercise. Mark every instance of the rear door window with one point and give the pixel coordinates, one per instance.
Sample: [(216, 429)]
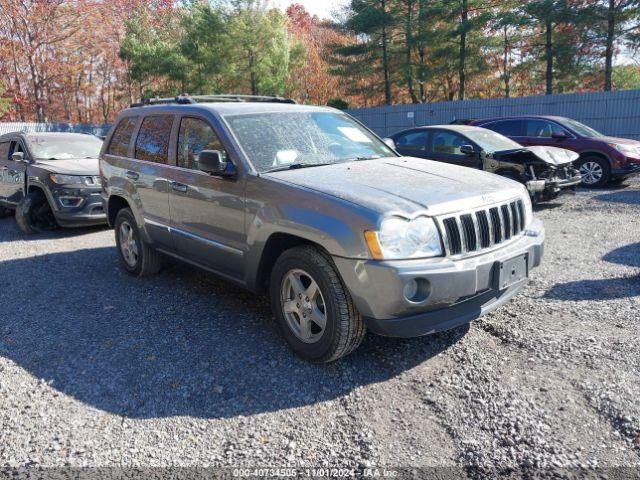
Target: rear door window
[(4, 151), (121, 138), (412, 141), (152, 144), (508, 128)]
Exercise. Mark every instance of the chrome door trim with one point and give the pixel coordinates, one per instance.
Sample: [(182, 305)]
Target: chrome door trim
[(213, 243)]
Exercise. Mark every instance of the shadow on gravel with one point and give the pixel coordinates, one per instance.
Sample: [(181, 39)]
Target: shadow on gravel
[(9, 232), (603, 289), (539, 207), (627, 255), (631, 197), (181, 343)]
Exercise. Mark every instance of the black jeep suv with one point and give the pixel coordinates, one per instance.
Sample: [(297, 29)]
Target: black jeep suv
[(50, 180)]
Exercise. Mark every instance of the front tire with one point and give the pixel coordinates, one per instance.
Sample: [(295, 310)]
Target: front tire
[(136, 256), (595, 172), (313, 308), (34, 214)]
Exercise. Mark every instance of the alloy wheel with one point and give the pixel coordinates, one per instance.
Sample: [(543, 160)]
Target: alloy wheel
[(128, 245), (591, 172), (303, 306)]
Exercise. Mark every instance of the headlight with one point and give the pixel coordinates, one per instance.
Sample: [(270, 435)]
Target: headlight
[(400, 239), (66, 179), (628, 150)]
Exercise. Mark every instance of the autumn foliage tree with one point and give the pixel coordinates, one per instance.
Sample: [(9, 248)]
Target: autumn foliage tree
[(83, 61)]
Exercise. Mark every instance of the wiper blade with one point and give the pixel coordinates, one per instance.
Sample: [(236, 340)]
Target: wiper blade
[(363, 158), (295, 166)]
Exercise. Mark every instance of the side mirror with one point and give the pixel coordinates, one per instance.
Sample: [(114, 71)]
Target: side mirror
[(390, 143), (17, 157), (211, 162), (468, 149), (559, 135)]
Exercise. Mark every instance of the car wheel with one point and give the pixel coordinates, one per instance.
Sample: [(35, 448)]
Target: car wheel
[(137, 257), (34, 214), (314, 309), (595, 172)]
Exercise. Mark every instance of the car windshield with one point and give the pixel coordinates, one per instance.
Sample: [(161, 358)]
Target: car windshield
[(48, 147), (581, 129), (491, 141), (281, 140)]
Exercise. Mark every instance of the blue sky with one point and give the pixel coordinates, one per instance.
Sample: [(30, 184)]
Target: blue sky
[(322, 8)]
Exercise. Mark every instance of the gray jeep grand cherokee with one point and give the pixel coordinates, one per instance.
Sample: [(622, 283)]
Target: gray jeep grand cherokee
[(308, 205)]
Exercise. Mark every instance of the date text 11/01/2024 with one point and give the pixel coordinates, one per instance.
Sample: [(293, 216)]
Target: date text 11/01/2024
[(369, 472)]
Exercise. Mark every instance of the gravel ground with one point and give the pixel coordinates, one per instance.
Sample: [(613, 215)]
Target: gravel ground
[(100, 369)]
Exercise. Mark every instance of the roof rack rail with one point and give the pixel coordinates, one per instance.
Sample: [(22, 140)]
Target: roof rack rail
[(186, 99)]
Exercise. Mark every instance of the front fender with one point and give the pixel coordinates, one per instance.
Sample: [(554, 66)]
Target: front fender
[(279, 208), (33, 180)]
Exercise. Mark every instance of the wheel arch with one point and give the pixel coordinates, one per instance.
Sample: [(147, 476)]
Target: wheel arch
[(276, 245), (508, 172), (114, 205), (594, 153), (36, 189)]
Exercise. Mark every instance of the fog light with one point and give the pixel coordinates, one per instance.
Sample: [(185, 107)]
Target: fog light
[(70, 201), (417, 290), (410, 290)]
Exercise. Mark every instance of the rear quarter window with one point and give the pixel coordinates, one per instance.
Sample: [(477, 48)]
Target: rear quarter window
[(152, 144), (121, 138)]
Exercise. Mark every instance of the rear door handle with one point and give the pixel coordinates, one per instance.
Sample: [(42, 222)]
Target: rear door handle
[(178, 187), (132, 175)]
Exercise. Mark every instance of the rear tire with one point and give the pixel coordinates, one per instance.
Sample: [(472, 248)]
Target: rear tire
[(306, 292), (595, 171), (136, 256), (34, 214)]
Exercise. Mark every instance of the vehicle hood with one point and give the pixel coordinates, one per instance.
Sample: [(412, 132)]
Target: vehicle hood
[(405, 185), (72, 166), (550, 155)]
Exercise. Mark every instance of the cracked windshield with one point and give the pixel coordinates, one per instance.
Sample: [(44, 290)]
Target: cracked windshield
[(281, 141)]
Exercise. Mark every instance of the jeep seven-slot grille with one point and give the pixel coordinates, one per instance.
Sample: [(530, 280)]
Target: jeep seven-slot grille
[(472, 232)]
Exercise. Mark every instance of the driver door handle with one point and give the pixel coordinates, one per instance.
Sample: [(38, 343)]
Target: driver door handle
[(132, 175), (178, 187)]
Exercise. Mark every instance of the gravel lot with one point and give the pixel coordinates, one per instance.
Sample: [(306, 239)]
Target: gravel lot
[(100, 369)]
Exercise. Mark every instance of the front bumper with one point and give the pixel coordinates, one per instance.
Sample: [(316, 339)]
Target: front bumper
[(78, 207), (630, 169), (551, 187), (459, 291)]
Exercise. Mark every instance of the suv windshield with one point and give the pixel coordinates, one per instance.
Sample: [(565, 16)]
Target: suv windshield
[(288, 139), (581, 129), (491, 141), (48, 147)]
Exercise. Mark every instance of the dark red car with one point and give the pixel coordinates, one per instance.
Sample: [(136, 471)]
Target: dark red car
[(602, 159)]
